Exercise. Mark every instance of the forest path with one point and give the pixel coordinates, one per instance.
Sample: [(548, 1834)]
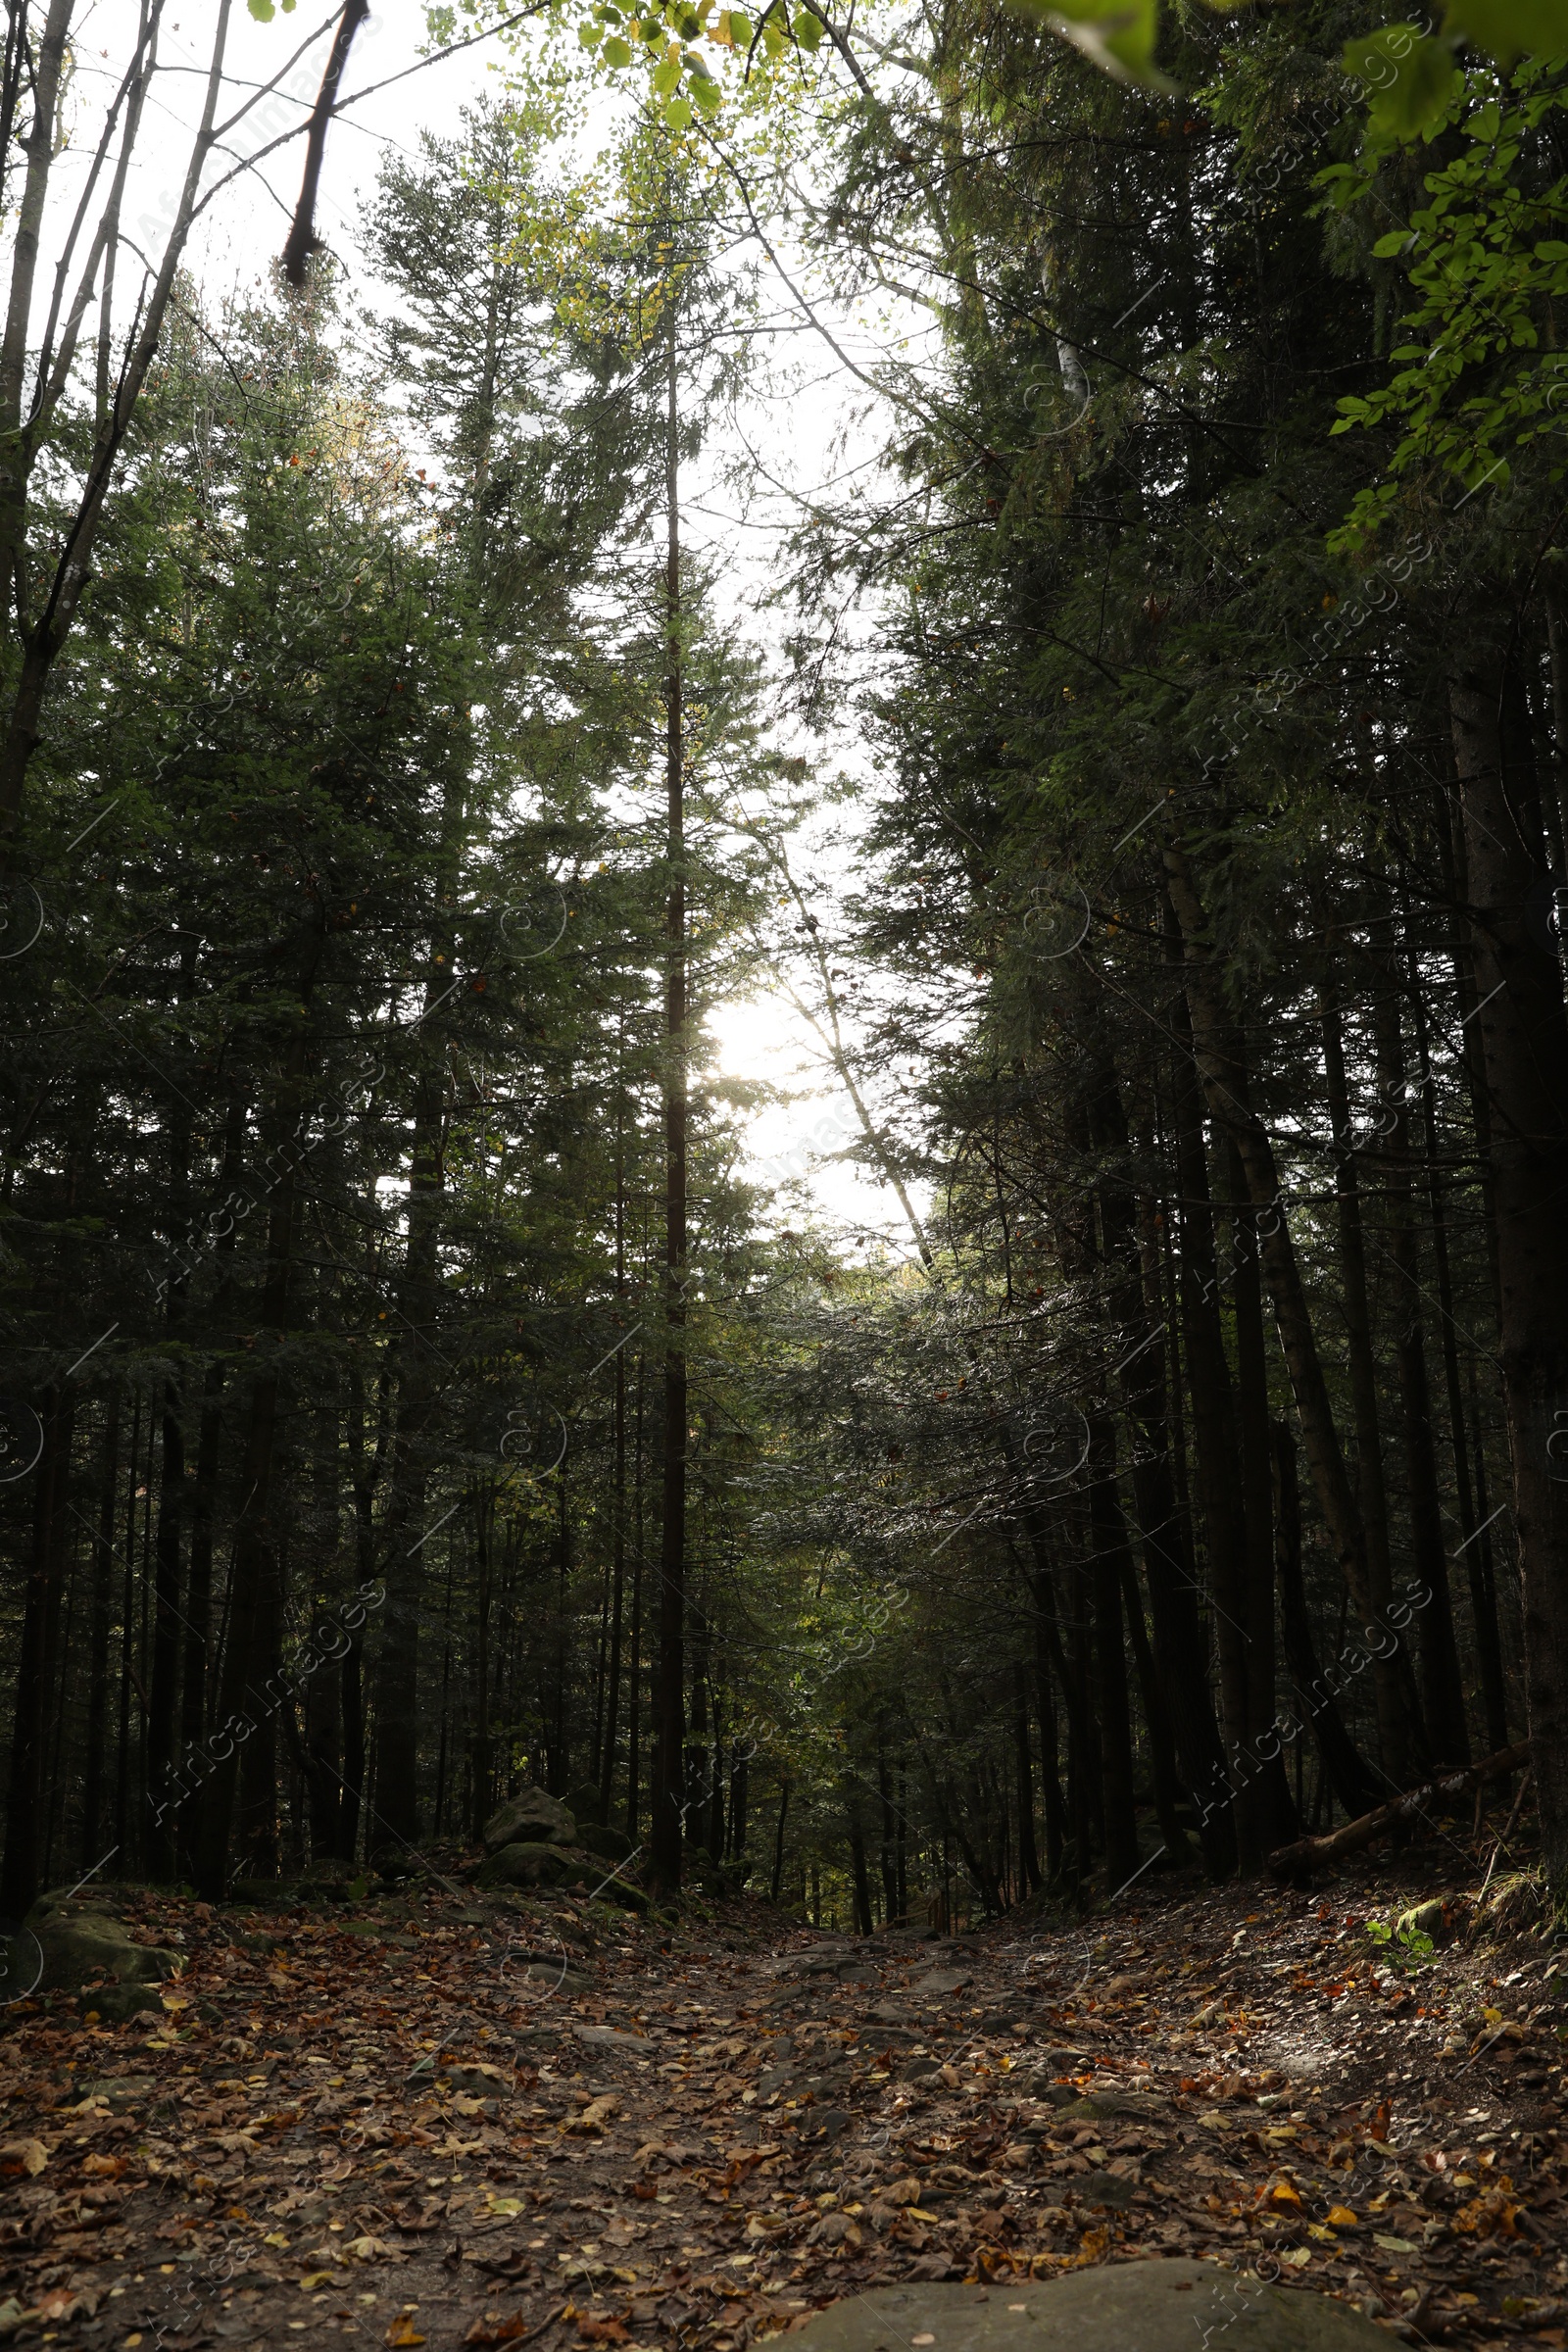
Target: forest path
[(440, 2121)]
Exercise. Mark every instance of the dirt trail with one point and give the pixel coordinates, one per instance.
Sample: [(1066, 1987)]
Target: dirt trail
[(443, 2122)]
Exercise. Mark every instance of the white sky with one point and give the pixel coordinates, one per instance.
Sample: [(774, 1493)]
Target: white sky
[(235, 246)]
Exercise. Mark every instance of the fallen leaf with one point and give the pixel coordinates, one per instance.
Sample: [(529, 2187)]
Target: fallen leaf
[(497, 2332), (104, 2168), (1341, 2217), (402, 2331)]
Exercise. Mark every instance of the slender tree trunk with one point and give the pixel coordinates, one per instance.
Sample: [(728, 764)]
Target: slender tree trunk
[(161, 1712), (29, 1733), (94, 1811), (669, 1700), (242, 1745), (1356, 1309), (404, 1533), (1353, 1782), (1275, 1816), (1442, 1691), (1181, 1653), (1224, 1088), (1112, 1565), (778, 1840), (1156, 1722), (617, 1497), (860, 1874), (1524, 1044), (1483, 1601)]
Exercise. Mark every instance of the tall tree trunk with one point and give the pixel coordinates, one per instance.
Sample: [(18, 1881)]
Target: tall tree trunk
[(668, 1796), (1482, 1600), (1442, 1691), (95, 1763), (1225, 1089), (29, 1732), (1353, 1781), (1112, 1566), (1258, 1808), (1214, 1421), (860, 1874), (242, 1743), (1028, 1851), (166, 1617), (1180, 1653), (778, 1840), (404, 1533), (1524, 1046)]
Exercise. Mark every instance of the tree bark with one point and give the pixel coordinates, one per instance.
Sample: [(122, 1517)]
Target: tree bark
[(668, 1795), (25, 1816), (1524, 1047), (1348, 1775), (1224, 1088)]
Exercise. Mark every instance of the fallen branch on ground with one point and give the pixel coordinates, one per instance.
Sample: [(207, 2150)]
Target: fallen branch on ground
[(1311, 1853)]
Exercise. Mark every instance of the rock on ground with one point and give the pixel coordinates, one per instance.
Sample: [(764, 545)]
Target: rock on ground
[(1132, 2306)]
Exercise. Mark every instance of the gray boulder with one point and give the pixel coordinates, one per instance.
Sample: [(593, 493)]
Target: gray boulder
[(1153, 2306), (611, 1845), (531, 1818), (526, 1863), (66, 1943), (584, 1803)]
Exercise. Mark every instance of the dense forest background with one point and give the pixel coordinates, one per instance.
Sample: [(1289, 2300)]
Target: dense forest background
[(409, 1393)]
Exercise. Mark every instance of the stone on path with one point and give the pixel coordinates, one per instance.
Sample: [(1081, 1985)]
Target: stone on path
[(941, 1981), (1117, 2307), (69, 1939)]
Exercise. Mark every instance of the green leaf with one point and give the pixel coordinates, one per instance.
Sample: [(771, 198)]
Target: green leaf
[(616, 52), (1504, 27), (808, 30), (262, 10), (1119, 38), (740, 28), (667, 77), (1397, 240), (677, 114), (705, 93), (588, 35), (1407, 78)]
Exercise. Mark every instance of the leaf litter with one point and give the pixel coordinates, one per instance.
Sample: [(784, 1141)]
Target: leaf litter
[(413, 2123)]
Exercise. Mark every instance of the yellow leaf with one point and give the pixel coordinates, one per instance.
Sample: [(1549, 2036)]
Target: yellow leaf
[(1341, 2217), (401, 2331), (315, 2279), (1325, 2237)]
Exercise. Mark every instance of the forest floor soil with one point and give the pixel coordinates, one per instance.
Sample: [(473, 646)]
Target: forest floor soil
[(446, 2119)]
